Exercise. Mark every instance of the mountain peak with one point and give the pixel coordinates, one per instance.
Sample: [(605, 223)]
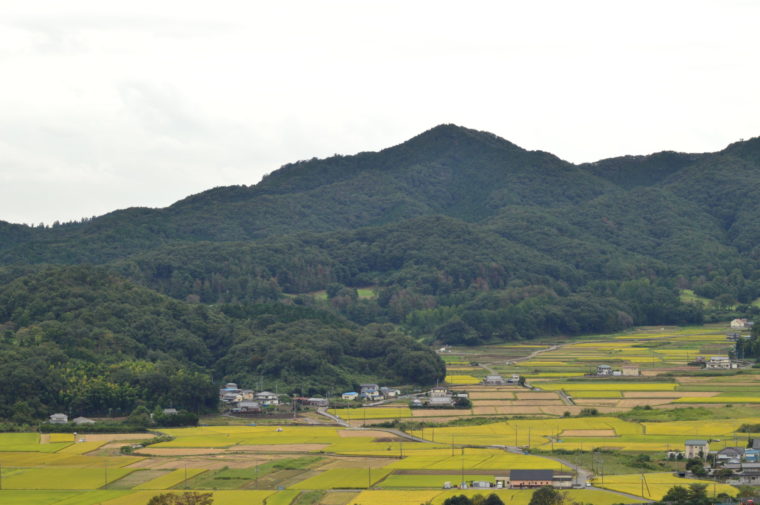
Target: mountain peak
[(452, 134)]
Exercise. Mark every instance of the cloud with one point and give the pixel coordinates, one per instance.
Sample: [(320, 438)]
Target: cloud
[(109, 105)]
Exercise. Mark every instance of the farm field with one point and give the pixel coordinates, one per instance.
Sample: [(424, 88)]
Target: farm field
[(333, 465), (655, 485)]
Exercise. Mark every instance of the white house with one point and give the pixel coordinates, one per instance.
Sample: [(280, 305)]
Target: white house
[(59, 418), (494, 380), (720, 362), (266, 398), (740, 324), (604, 370), (696, 448), (351, 395)]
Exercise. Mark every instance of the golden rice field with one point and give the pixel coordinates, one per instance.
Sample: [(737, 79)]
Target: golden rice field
[(655, 485), (461, 379), (344, 478)]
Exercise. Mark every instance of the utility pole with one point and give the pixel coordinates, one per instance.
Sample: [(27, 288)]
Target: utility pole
[(105, 468), (369, 477), (461, 483), (185, 475)]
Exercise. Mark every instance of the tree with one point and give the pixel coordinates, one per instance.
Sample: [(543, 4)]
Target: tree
[(192, 498), (696, 466), (547, 495), (457, 500), (698, 494), (723, 474), (493, 499), (677, 495)]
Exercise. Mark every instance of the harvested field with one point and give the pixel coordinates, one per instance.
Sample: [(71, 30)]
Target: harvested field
[(558, 411), (494, 395), (596, 401), (492, 403), (159, 451), (588, 433), (514, 410), (537, 396), (280, 447), (113, 437), (629, 404), (439, 412), (211, 463), (356, 463)]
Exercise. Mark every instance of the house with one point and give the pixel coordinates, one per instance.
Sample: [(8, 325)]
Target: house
[(247, 407), (720, 362), (415, 403), (752, 455), (246, 394), (519, 479), (351, 395), (59, 418), (440, 401), (604, 370), (729, 455), (267, 398), (232, 397), (369, 391), (317, 402), (82, 420), (229, 389), (696, 449), (494, 380), (631, 370), (439, 392), (745, 474), (169, 412), (745, 478), (389, 392), (515, 379), (740, 324)]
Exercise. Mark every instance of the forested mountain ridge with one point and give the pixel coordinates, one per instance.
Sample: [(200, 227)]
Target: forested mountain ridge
[(458, 236)]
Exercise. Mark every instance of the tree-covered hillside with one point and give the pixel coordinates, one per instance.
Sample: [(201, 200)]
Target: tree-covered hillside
[(455, 236), (83, 340)]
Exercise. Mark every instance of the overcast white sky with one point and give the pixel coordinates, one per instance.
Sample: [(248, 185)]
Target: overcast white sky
[(106, 105)]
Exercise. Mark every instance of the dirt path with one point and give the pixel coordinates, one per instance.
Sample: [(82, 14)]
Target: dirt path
[(537, 352)]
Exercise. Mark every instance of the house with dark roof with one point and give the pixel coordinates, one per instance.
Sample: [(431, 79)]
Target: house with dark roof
[(730, 455), (520, 479)]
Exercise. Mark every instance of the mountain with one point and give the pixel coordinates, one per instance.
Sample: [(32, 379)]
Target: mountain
[(455, 236)]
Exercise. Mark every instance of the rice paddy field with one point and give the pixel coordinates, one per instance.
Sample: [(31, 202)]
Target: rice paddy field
[(334, 465)]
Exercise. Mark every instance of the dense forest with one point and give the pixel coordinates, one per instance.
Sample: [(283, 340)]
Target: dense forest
[(333, 271)]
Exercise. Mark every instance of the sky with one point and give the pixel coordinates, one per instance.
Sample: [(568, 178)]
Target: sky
[(107, 105)]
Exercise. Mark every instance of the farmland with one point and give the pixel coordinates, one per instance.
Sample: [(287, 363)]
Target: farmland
[(624, 418)]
